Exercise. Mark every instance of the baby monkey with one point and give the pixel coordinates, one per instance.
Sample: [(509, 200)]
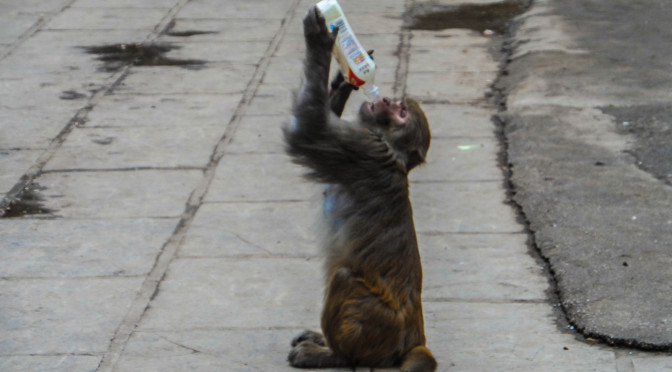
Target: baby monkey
[(372, 312)]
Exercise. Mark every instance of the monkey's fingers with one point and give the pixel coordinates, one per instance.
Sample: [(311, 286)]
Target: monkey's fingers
[(313, 22), (315, 30)]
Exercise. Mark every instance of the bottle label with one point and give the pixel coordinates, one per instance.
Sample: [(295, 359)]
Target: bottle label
[(354, 80), (348, 43)]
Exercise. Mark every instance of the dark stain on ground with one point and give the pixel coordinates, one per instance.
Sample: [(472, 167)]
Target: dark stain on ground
[(116, 56), (27, 202), (651, 125), (103, 141), (477, 17), (71, 94), (188, 33)]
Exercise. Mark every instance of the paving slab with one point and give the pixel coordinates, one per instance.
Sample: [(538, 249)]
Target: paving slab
[(63, 316), (451, 86), (221, 349), (246, 177), (136, 147), (653, 363), (231, 229), (33, 6), (163, 111), (40, 363), (108, 19), (257, 134), (462, 207), (161, 4), (521, 337), (214, 78), (81, 248), (480, 267), (459, 160), (27, 127), (458, 121), (119, 194), (15, 25), (274, 100), (225, 29), (237, 52), (473, 57), (237, 293), (238, 10), (14, 164), (62, 53)]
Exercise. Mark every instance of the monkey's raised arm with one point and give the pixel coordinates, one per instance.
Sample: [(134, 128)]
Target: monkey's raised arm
[(336, 151), (310, 107)]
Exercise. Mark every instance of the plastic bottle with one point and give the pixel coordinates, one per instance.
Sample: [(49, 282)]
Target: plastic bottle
[(356, 65)]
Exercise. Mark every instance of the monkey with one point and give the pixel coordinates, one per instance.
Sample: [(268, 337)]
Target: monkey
[(372, 312)]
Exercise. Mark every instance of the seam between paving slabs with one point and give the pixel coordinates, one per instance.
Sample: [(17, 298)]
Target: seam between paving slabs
[(403, 53), (150, 287)]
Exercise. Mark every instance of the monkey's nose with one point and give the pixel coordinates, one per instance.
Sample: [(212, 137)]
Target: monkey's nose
[(386, 101)]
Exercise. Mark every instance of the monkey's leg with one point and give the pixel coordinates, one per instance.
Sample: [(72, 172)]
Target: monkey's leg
[(309, 336), (419, 359), (308, 354)]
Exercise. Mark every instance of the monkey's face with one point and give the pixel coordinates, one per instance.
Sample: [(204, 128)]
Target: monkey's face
[(384, 113), (403, 125)]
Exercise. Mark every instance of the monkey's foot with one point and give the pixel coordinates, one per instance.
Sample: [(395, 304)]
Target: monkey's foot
[(308, 354), (309, 336)]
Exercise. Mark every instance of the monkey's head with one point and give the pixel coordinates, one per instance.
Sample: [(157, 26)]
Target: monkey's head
[(402, 124)]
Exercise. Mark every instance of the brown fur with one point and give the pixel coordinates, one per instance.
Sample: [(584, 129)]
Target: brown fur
[(372, 312)]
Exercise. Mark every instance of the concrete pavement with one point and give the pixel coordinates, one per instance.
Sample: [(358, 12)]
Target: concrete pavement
[(173, 234)]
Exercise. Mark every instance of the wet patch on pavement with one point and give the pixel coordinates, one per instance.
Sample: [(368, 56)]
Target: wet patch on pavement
[(71, 94), (188, 33), (168, 31), (477, 17), (116, 56), (27, 202), (651, 125)]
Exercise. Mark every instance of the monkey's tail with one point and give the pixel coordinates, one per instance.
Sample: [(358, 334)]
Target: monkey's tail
[(419, 359)]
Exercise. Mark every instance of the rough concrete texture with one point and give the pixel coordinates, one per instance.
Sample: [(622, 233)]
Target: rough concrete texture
[(175, 235), (587, 88)]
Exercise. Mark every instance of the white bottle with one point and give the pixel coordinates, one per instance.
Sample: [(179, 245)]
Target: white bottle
[(356, 65)]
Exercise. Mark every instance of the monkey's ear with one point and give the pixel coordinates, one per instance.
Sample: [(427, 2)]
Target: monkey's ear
[(415, 158)]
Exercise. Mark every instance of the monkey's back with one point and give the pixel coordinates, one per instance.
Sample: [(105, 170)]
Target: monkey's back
[(373, 312)]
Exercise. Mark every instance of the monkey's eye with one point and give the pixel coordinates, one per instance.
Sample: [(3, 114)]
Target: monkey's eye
[(403, 113)]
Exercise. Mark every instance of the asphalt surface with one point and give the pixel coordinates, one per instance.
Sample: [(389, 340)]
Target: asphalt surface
[(587, 124)]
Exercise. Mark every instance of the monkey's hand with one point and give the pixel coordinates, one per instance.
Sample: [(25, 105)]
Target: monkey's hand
[(318, 37), (339, 80), (340, 91)]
